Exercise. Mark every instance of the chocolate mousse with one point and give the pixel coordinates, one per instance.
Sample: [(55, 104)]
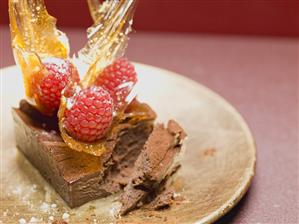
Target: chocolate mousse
[(154, 167)]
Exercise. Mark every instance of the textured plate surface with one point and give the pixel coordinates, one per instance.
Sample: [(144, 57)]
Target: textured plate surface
[(217, 167)]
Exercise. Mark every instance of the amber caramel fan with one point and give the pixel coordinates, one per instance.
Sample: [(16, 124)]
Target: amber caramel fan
[(34, 37), (33, 30), (107, 38)]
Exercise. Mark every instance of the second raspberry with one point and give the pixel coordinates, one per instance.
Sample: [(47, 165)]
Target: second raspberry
[(90, 114)]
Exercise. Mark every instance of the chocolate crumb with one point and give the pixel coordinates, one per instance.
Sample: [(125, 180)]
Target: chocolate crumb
[(209, 152), (59, 221), (162, 201)]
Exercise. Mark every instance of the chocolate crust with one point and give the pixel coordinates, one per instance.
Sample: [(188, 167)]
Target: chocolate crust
[(79, 177)]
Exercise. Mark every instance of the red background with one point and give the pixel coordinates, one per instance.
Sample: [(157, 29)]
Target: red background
[(253, 17)]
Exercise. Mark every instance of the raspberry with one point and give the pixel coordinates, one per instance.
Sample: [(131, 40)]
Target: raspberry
[(119, 79), (59, 73), (90, 114)]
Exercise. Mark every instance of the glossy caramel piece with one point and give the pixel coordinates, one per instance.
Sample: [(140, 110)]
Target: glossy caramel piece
[(34, 36)]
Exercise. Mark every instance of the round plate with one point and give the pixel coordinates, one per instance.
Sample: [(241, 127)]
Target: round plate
[(217, 167)]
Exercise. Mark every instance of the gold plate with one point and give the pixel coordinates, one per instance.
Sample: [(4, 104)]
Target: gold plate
[(217, 167)]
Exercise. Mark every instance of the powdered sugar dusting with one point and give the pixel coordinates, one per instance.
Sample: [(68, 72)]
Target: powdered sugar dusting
[(44, 207), (114, 210), (34, 220), (65, 216), (22, 221), (175, 195), (18, 191), (37, 202), (34, 187)]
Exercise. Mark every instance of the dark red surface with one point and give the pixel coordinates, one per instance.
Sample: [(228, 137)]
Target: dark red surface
[(259, 76), (254, 17)]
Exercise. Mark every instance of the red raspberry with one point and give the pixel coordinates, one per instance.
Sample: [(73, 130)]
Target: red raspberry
[(90, 114), (59, 73), (119, 79)]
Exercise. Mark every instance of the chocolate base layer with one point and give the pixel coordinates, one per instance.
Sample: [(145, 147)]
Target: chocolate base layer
[(79, 177)]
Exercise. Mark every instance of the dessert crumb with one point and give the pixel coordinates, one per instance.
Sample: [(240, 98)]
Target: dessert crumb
[(22, 221), (54, 206), (65, 215), (51, 218)]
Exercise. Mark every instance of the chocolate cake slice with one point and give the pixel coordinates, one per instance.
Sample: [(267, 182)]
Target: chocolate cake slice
[(140, 159), (154, 167), (79, 177)]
